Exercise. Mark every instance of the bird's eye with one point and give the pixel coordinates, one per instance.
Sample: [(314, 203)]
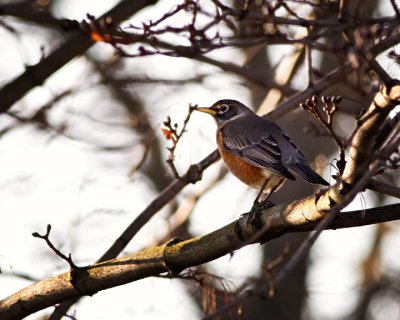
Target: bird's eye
[(223, 108)]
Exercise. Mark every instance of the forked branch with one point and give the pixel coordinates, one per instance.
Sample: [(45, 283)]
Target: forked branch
[(171, 132)]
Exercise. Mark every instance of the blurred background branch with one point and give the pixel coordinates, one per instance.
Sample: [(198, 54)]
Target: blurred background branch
[(81, 136)]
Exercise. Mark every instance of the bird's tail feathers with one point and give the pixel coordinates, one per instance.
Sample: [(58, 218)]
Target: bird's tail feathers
[(307, 173)]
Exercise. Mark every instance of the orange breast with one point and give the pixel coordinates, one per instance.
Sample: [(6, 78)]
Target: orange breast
[(251, 175)]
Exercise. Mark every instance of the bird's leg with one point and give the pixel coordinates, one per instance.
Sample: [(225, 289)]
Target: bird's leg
[(258, 205), (263, 204), (263, 186), (269, 204)]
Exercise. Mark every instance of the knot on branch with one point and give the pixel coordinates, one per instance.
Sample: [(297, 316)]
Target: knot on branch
[(393, 91), (31, 72), (194, 174), (172, 271), (255, 226), (76, 275), (388, 96), (75, 271), (69, 25)]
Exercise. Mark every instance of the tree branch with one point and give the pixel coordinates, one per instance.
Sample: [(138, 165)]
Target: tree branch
[(75, 45), (175, 256), (370, 123), (384, 188)]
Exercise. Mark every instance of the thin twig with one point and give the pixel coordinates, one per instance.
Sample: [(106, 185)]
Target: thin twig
[(329, 106), (172, 133), (46, 237)]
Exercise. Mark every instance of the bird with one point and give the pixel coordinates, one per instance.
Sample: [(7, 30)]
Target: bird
[(256, 150)]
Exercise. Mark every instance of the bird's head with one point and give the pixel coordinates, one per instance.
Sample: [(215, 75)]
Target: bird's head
[(226, 110)]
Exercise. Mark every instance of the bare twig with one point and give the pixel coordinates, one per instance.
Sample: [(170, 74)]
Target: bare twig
[(46, 237), (329, 106), (171, 132)]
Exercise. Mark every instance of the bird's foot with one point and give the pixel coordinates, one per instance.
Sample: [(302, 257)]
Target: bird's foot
[(253, 218), (264, 204)]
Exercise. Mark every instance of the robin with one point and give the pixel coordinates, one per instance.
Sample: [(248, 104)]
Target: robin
[(256, 150)]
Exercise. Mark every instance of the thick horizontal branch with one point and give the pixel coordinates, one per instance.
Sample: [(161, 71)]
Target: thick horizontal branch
[(177, 255)]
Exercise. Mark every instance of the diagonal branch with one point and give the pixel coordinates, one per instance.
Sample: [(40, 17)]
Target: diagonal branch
[(75, 45), (384, 188)]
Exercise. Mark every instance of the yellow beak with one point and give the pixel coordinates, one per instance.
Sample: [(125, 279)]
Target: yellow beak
[(206, 110)]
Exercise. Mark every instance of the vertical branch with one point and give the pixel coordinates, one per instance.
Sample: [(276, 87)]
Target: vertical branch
[(172, 133), (309, 63)]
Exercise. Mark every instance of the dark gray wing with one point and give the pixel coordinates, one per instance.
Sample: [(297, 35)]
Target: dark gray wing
[(256, 147), (293, 158)]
